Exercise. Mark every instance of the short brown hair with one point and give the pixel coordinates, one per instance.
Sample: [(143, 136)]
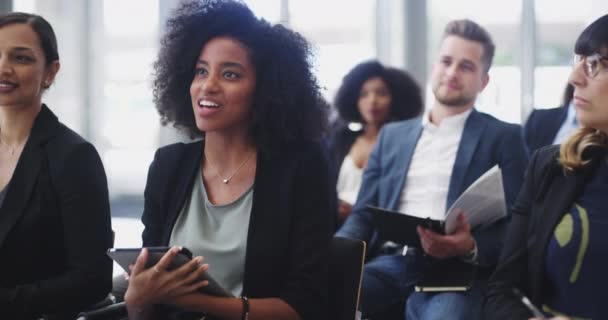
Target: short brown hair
[(470, 30)]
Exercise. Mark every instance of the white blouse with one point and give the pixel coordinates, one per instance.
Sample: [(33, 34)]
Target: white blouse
[(349, 180)]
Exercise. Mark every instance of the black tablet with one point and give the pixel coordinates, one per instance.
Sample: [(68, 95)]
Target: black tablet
[(127, 256)]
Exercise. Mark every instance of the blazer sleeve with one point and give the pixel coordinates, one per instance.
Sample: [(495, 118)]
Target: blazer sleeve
[(359, 224), (512, 159), (511, 272), (314, 207), (80, 187)]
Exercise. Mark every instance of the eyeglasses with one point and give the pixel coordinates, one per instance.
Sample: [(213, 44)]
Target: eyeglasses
[(592, 63)]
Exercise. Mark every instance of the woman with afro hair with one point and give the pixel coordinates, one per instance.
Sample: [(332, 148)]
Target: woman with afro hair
[(371, 95), (254, 196)]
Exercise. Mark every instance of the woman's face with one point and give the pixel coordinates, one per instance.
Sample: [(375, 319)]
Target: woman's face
[(223, 86), (23, 69), (591, 94), (374, 101)]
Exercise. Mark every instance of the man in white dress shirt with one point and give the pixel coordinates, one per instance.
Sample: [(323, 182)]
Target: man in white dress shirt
[(421, 166)]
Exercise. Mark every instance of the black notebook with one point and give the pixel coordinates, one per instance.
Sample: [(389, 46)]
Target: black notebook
[(401, 228), (446, 275), (438, 275)]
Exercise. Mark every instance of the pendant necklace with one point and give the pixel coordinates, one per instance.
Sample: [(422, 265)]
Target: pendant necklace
[(11, 150), (227, 180)]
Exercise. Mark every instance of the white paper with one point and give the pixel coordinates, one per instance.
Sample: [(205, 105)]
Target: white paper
[(483, 202)]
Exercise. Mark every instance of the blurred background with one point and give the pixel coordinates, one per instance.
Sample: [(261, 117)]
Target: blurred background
[(107, 48)]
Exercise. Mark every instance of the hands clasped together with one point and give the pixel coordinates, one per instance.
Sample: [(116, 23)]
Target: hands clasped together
[(160, 285)]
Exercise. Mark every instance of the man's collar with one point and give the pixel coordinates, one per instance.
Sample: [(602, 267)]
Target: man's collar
[(452, 121)]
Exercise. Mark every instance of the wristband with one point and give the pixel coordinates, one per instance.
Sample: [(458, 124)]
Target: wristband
[(245, 314)]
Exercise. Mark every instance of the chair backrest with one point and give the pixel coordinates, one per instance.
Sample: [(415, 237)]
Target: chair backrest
[(345, 270)]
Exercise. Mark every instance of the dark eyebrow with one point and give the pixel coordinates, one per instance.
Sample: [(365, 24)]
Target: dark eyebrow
[(23, 49), (223, 64)]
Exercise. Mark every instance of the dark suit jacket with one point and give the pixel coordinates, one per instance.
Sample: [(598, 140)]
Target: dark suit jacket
[(542, 127), (54, 226), (546, 196), (291, 220), (485, 142)]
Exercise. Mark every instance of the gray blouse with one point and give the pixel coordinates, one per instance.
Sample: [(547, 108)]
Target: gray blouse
[(218, 233)]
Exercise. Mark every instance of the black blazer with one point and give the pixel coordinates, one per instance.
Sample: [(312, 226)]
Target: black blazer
[(546, 195), (542, 127), (290, 227), (54, 226)]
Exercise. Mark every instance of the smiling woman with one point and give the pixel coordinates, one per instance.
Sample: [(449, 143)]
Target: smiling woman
[(241, 197), (223, 86), (54, 208)]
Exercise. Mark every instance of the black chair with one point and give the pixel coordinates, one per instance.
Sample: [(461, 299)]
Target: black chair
[(345, 271), (116, 311)]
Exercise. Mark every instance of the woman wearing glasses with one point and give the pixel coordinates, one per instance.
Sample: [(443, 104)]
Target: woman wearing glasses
[(556, 250)]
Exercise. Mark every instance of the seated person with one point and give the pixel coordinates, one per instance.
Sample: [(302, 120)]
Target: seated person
[(370, 96), (54, 208), (420, 166), (556, 253), (545, 127), (254, 197)]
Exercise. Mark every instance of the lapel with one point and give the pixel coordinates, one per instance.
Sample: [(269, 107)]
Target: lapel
[(471, 135), (187, 168), (559, 120), (264, 195), (404, 152), (27, 171), (553, 123)]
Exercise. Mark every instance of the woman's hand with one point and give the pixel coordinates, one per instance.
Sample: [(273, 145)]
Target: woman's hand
[(344, 209), (157, 284)]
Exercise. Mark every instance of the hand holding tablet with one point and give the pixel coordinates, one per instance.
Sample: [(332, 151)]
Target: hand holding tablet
[(128, 256)]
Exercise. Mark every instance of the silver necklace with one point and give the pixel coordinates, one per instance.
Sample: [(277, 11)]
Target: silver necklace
[(11, 150), (227, 180)]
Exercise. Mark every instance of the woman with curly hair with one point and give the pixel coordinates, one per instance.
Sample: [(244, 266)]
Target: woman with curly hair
[(556, 248), (254, 196), (371, 95)]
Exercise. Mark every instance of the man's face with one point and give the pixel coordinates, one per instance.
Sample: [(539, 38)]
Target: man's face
[(459, 73)]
